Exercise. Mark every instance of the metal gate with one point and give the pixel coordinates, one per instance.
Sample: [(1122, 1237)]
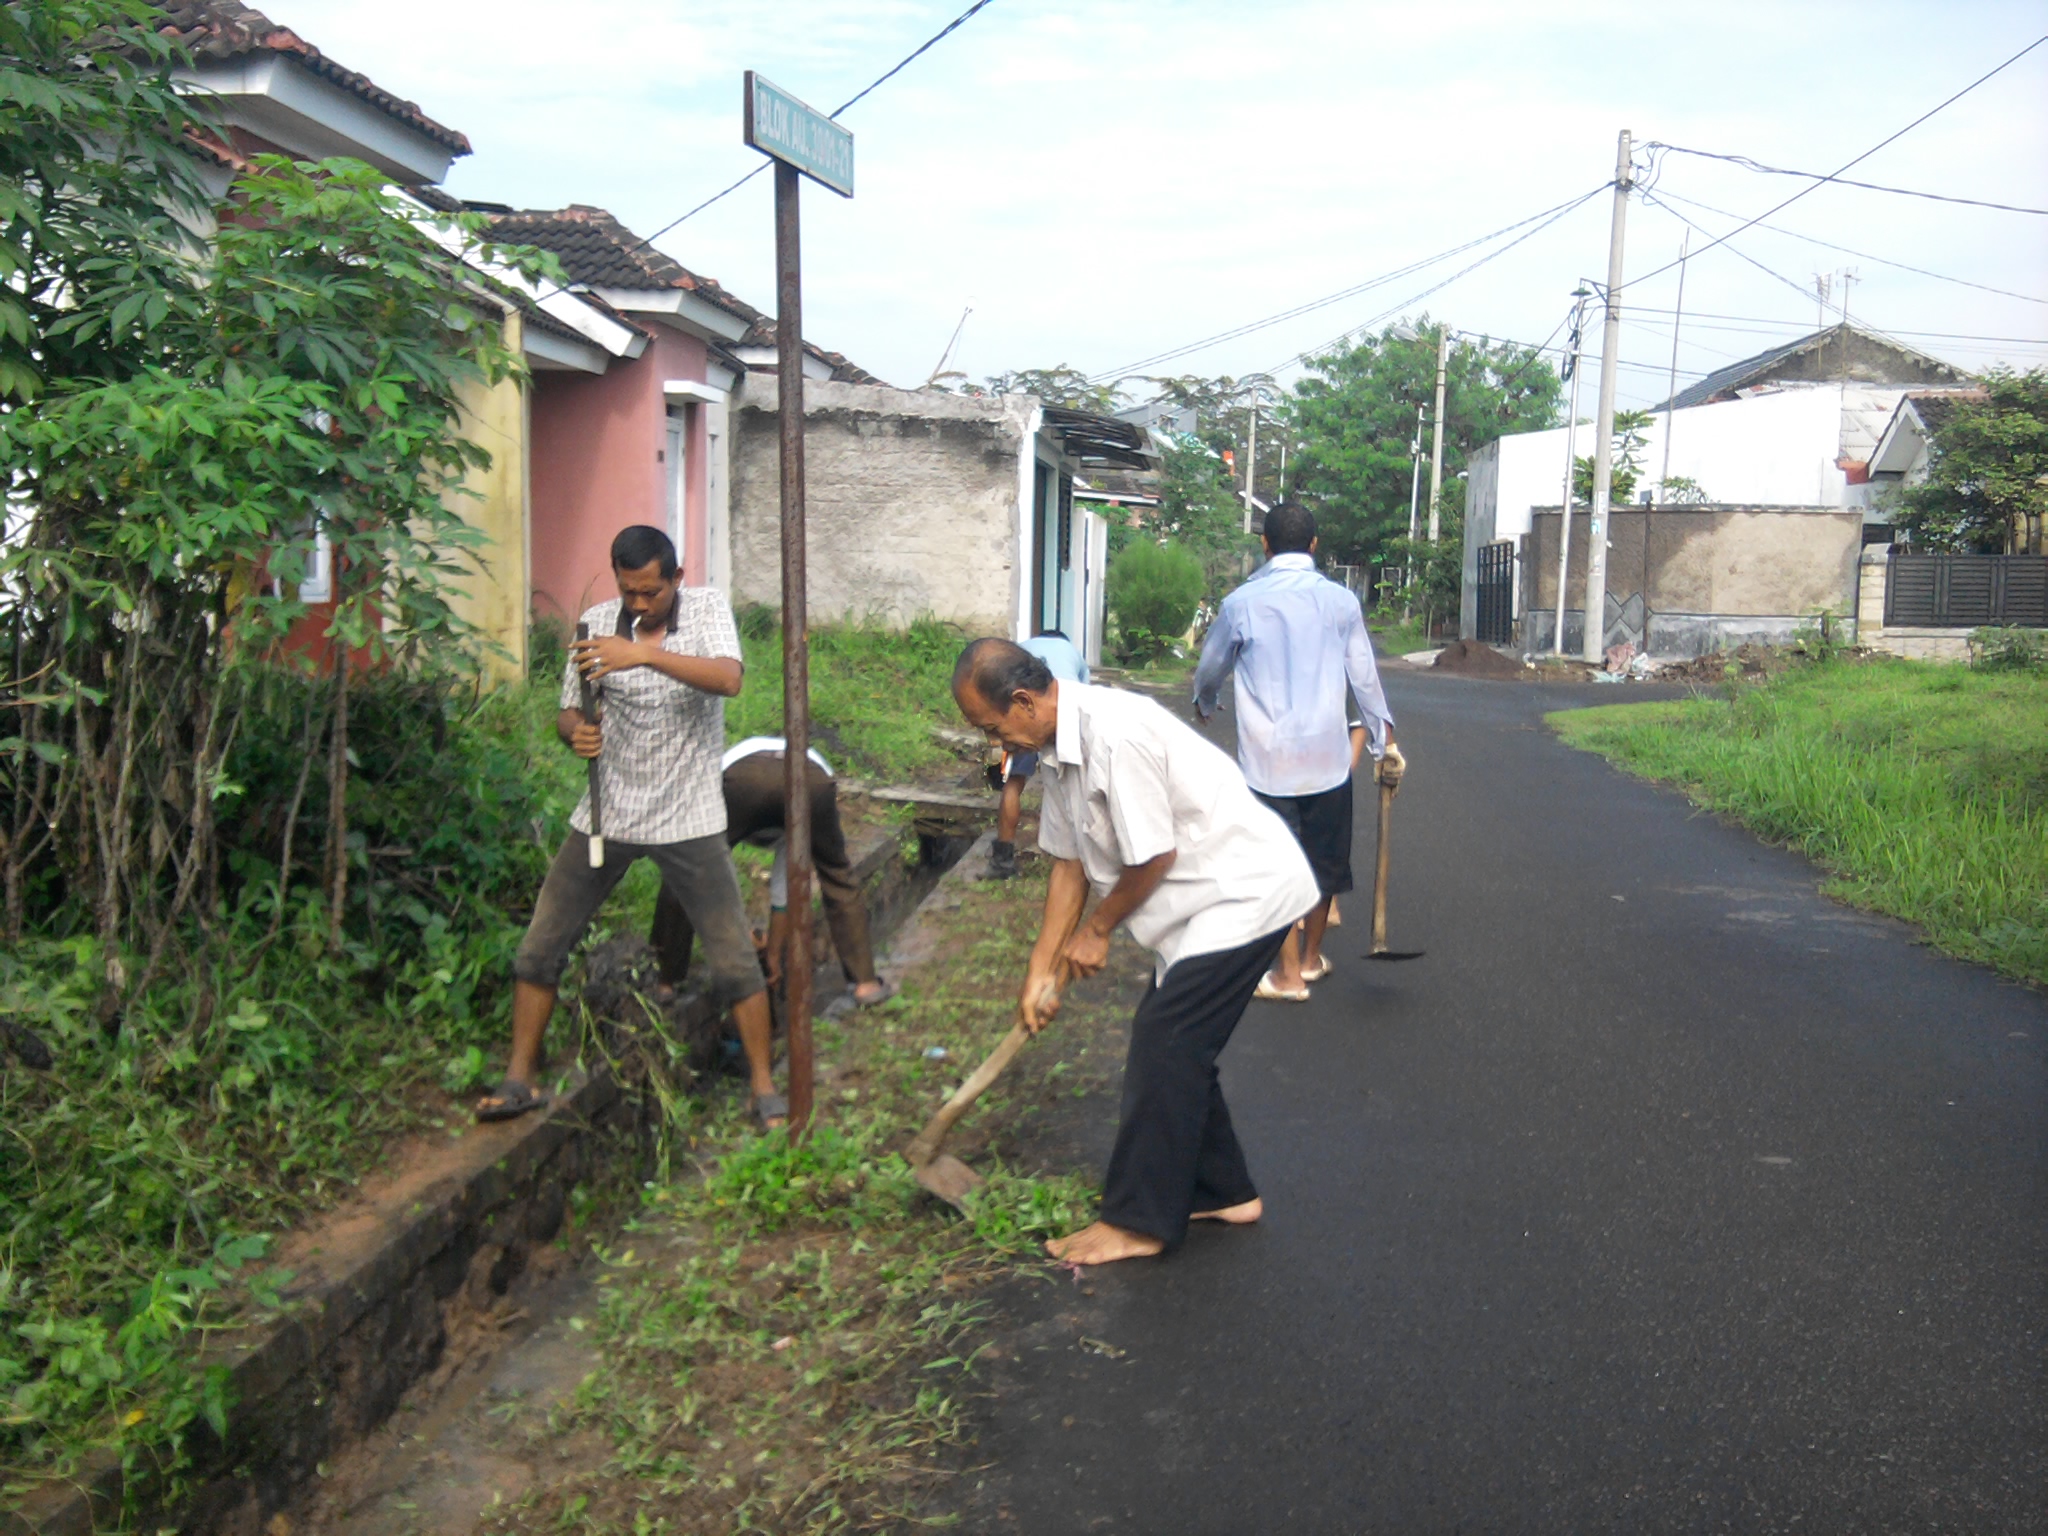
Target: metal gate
[(1958, 591), (1497, 593)]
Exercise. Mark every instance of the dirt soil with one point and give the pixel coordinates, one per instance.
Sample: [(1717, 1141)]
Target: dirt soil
[(1469, 658)]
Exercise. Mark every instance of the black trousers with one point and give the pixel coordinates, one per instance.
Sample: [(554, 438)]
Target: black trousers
[(1175, 1150)]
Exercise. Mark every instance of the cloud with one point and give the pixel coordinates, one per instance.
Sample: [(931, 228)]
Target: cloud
[(1117, 177)]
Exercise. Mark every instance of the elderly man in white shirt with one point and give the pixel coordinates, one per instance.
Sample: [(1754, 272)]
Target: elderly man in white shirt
[(1159, 826)]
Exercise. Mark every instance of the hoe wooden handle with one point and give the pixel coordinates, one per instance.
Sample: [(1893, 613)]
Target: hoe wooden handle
[(1379, 876), (590, 713), (922, 1150)]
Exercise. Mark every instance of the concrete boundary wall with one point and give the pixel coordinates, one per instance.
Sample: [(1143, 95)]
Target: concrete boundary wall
[(1683, 581), (912, 503)]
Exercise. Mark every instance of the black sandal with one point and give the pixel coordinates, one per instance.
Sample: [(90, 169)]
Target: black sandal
[(508, 1101)]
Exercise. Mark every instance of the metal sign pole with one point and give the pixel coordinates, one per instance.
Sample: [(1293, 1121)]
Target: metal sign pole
[(796, 655), (802, 141)]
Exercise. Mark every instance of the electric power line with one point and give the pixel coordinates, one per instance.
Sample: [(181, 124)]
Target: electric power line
[(1334, 298), (1859, 159), (1841, 181), (896, 69), (1342, 336), (1883, 261)]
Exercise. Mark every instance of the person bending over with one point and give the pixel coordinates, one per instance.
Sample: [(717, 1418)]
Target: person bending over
[(1065, 663), (1156, 825), (753, 771)]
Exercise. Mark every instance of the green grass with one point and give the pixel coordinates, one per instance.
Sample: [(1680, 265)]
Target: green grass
[(1923, 788), (1398, 637), (149, 1158), (875, 693), (788, 1342)]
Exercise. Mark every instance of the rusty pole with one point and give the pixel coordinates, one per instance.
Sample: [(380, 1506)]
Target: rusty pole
[(796, 656)]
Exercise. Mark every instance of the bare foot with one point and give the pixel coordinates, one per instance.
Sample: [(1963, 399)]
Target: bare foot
[(1100, 1243), (869, 992), (1236, 1215)]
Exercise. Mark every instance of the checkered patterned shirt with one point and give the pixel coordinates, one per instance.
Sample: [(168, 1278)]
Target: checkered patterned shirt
[(660, 772)]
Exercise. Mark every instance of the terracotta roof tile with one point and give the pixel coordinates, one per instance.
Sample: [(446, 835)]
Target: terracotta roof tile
[(226, 29)]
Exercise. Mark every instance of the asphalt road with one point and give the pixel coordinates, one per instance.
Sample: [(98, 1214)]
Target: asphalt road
[(1663, 1195)]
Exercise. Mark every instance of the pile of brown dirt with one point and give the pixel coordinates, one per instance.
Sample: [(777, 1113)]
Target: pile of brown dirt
[(1748, 663), (1469, 658)]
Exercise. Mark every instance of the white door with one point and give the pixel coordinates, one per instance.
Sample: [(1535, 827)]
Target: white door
[(678, 514)]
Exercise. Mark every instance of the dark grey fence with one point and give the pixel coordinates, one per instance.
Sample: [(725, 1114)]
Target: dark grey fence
[(1497, 593), (1964, 591)]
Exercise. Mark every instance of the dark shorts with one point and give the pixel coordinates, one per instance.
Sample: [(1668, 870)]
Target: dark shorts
[(1322, 825), (1020, 765), (698, 873)]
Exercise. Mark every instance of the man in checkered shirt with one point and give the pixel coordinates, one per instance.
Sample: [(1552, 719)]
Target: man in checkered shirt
[(664, 657)]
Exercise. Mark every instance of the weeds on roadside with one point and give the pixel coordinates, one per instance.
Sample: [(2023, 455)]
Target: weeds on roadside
[(787, 1341), (1924, 787)]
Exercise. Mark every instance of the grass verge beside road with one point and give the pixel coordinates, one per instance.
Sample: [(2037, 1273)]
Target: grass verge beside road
[(788, 1342), (1923, 788)]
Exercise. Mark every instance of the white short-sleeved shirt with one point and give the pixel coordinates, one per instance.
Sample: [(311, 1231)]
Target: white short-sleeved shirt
[(1124, 781), (660, 773)]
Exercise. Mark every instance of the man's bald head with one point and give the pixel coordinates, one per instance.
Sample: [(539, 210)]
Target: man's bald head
[(998, 670), (1001, 688)]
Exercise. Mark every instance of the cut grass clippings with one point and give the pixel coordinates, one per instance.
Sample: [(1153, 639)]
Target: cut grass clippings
[(787, 1342), (1923, 788)]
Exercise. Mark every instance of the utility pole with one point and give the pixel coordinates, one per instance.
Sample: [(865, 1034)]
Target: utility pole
[(1571, 462), (1671, 384), (1436, 451), (1251, 461), (1603, 432), (1414, 503)]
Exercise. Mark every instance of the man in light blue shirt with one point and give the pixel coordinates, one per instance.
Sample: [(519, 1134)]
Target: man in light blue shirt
[(1296, 642), (1067, 664)]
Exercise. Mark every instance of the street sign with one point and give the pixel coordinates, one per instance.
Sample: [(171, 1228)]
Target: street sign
[(778, 124)]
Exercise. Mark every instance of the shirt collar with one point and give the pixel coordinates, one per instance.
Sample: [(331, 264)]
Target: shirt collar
[(1300, 560), (1066, 740)]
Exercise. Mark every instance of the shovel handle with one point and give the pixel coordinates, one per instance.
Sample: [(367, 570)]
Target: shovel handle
[(590, 713), (926, 1146), (1379, 874)]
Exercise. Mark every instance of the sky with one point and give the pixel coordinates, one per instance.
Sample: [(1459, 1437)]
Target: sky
[(1103, 181)]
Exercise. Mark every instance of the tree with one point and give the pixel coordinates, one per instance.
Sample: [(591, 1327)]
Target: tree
[(1154, 589), (1987, 472), (1630, 429), (1353, 414), (190, 416), (1068, 388), (1201, 513)]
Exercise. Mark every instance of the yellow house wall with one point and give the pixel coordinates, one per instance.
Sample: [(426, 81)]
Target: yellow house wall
[(494, 589)]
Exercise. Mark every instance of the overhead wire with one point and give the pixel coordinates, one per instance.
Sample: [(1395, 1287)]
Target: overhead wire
[(889, 74), (1312, 305), (1364, 325), (1804, 191), (1883, 261), (1842, 181)]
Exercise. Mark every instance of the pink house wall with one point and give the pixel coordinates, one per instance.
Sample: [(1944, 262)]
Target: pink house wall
[(598, 441)]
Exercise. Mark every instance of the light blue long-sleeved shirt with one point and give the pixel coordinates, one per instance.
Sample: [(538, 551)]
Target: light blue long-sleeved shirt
[(1296, 641)]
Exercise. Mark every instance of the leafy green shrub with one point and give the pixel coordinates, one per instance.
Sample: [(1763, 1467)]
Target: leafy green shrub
[(1153, 591), (547, 647), (2009, 650)]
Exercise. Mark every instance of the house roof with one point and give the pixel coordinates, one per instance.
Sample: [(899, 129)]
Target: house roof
[(1878, 360), (226, 29), (1100, 440), (597, 251), (1918, 416)]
